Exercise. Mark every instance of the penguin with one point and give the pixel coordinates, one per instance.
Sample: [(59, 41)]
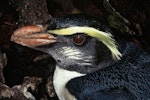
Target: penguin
[(92, 62)]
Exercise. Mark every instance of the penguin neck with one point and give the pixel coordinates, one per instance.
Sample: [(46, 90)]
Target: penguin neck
[(60, 79)]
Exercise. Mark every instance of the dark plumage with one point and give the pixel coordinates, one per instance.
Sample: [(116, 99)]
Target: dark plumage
[(98, 75), (127, 79)]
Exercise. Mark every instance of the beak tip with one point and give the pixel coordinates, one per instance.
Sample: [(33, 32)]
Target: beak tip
[(32, 36)]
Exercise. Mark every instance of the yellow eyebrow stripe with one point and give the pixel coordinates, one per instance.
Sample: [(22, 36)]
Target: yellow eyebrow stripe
[(104, 37)]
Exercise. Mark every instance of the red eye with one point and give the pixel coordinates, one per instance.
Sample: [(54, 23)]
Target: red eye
[(78, 39)]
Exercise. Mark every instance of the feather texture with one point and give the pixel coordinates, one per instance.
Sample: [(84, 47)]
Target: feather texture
[(104, 37)]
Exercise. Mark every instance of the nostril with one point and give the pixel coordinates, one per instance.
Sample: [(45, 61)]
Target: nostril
[(58, 61)]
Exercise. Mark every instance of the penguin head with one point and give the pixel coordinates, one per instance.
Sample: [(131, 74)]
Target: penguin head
[(80, 43)]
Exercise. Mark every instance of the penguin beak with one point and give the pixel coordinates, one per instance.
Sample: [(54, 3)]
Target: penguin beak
[(32, 36)]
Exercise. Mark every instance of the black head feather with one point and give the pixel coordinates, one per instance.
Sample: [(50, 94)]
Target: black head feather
[(85, 58)]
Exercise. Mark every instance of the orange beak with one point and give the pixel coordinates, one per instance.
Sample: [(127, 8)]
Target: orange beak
[(32, 36)]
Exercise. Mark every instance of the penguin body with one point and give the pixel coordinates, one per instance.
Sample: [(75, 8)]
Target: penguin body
[(60, 79), (92, 62), (128, 79)]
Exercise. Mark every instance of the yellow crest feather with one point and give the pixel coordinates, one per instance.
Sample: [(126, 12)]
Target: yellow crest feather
[(105, 38)]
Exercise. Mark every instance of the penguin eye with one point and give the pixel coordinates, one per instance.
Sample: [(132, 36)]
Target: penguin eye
[(78, 39)]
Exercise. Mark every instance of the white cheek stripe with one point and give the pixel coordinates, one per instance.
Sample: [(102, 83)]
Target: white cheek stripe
[(60, 79), (75, 54), (72, 53)]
